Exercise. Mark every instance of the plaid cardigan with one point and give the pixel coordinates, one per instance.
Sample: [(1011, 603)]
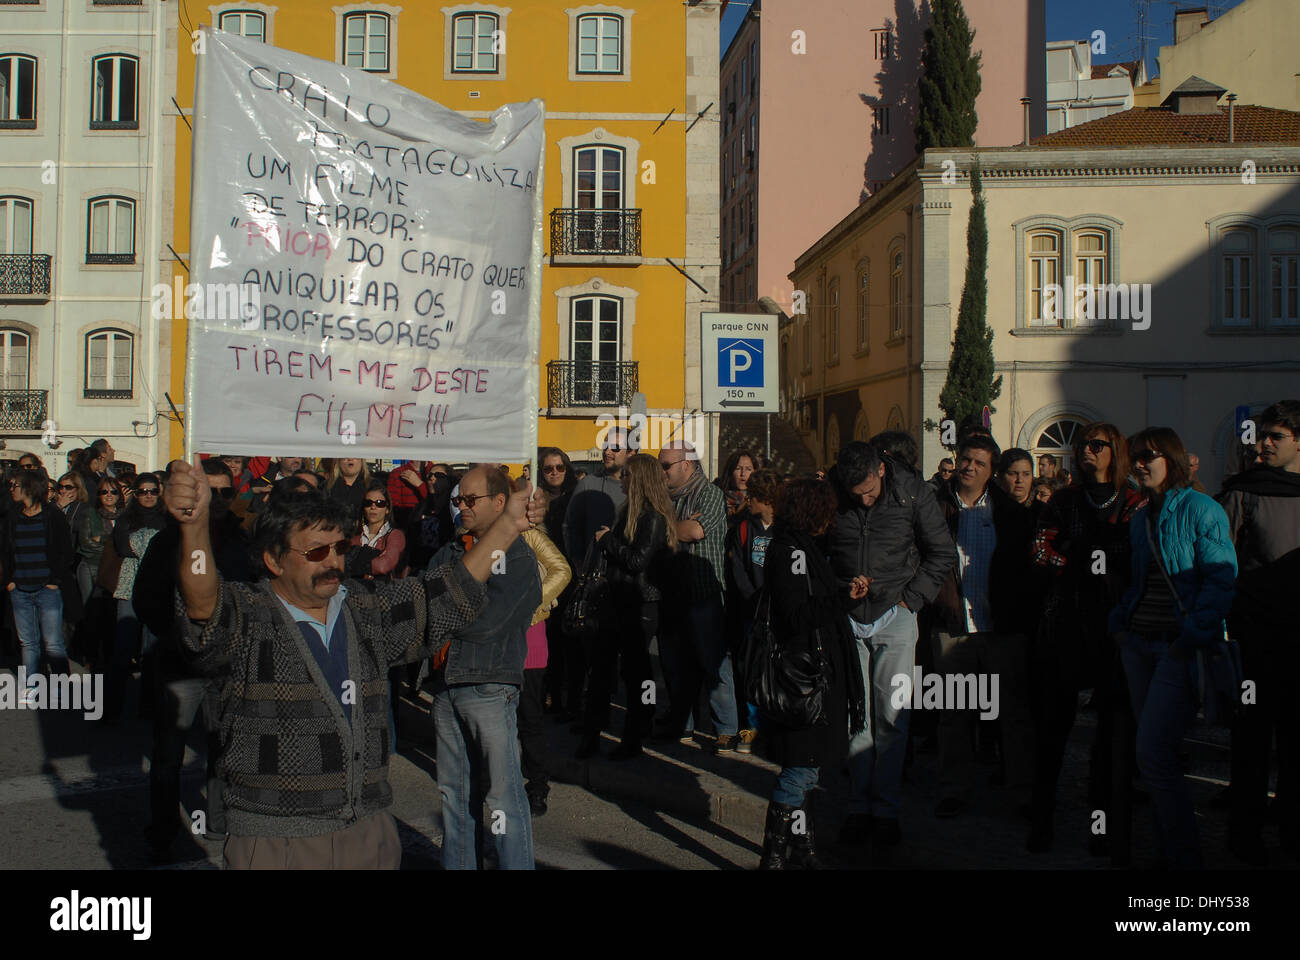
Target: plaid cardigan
[(292, 764)]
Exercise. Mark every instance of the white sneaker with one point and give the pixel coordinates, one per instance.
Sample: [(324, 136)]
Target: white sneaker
[(28, 699)]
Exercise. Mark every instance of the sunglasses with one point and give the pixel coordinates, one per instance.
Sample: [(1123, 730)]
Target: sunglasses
[(1097, 446), (469, 499), (669, 466), (106, 492), (1147, 456), (28, 466), (375, 503), (559, 469), (66, 486), (147, 492), (317, 554)]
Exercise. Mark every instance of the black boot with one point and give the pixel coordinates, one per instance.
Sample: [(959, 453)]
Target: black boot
[(776, 837), (803, 849)]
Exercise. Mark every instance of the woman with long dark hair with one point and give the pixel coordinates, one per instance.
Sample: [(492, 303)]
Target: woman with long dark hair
[(809, 612), (1081, 553), (555, 477), (734, 479), (139, 523), (379, 549), (643, 535), (1183, 577)]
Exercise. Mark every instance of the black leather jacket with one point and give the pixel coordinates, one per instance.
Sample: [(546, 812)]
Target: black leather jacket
[(636, 568)]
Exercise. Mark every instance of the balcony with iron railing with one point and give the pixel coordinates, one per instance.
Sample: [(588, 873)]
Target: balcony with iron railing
[(591, 383), (22, 410), (25, 277), (595, 236)]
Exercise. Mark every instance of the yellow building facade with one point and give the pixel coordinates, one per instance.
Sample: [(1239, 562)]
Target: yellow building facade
[(631, 174)]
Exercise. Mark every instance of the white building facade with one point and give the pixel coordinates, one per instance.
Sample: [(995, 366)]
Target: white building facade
[(1079, 90), (80, 228)]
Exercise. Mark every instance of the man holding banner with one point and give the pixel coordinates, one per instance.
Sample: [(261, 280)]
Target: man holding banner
[(304, 660)]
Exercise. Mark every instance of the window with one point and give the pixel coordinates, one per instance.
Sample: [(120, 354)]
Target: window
[(599, 186), (17, 92), (880, 120), (246, 23), (726, 159), (113, 92), (806, 333), (1283, 261), (365, 41), (863, 292), (833, 324), (600, 44), (108, 365), (1044, 271), (883, 43), (751, 218), (1058, 439), (595, 345), (475, 39), (896, 295), (1090, 271), (1238, 265), (111, 234), (753, 66), (753, 133), (15, 225), (15, 349)]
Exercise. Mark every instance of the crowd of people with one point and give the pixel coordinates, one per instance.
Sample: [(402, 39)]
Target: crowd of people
[(285, 604)]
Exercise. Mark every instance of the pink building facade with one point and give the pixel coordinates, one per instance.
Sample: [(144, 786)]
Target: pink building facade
[(819, 101)]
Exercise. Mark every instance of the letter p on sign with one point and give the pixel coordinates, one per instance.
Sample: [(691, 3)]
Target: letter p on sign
[(740, 363)]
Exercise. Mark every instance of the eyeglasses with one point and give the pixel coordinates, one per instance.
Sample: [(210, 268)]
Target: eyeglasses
[(106, 492), (1097, 446), (66, 486), (1147, 456), (27, 466), (469, 499), (615, 447), (375, 503), (556, 469), (147, 492), (668, 466), (317, 554)]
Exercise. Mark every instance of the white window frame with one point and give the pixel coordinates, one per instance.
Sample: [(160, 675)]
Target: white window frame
[(1288, 316), (340, 17), (8, 118), (267, 11), (474, 14), (113, 204), (8, 377), (110, 336), (596, 286), (12, 203), (1036, 273), (115, 98), (245, 17), (625, 73), (1067, 230)]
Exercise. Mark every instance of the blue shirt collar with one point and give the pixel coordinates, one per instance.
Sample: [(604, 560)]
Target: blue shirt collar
[(323, 630)]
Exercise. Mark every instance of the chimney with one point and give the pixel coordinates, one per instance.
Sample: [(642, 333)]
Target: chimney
[(1188, 23), (1024, 102), (1232, 133)]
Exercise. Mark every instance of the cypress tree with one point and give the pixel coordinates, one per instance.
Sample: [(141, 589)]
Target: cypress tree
[(970, 384), (950, 80)]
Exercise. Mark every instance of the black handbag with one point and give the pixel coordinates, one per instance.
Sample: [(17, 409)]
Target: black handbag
[(787, 684), (590, 595)]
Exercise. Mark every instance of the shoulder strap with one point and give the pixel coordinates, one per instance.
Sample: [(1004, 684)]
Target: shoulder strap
[(1160, 564)]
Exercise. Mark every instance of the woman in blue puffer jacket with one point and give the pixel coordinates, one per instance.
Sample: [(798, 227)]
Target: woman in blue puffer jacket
[(1184, 573)]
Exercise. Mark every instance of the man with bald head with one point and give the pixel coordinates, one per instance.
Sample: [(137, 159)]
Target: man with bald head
[(477, 677)]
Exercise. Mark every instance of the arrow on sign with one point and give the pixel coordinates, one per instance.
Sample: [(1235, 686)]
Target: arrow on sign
[(740, 403)]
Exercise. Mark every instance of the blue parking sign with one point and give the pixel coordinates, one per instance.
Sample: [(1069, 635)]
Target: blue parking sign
[(740, 363)]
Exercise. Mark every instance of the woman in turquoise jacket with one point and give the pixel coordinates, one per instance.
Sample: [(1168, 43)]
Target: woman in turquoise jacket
[(1184, 574)]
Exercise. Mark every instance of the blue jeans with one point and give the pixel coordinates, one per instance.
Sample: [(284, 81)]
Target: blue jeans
[(693, 647), (877, 751), (38, 615), (793, 784), (477, 730), (1162, 685)]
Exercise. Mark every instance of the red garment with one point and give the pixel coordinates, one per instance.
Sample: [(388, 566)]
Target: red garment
[(401, 494), (537, 649)]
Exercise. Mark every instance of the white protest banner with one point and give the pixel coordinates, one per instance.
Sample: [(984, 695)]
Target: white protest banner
[(366, 265)]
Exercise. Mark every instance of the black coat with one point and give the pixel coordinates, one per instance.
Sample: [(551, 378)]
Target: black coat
[(1014, 588), (636, 569), (900, 542), (807, 606)]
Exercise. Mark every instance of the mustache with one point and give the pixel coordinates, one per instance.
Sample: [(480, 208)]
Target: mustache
[(331, 576)]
